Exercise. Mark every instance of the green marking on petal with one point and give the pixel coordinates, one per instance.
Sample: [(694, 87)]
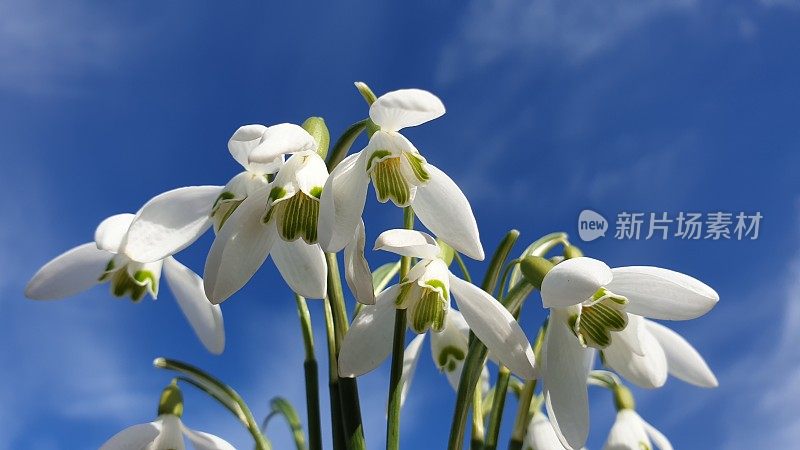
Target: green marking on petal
[(428, 311), (297, 218), (222, 197), (438, 284), (316, 192), (449, 357), (377, 154), (417, 166), (594, 324), (389, 182), (276, 193), (108, 272), (123, 285)]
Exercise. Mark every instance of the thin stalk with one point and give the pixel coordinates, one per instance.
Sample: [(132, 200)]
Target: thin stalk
[(250, 422), (214, 393), (462, 267), (343, 144), (473, 364), (337, 429), (398, 350), (498, 404), (498, 260), (348, 387), (311, 376), (478, 433), (525, 397), (282, 407)]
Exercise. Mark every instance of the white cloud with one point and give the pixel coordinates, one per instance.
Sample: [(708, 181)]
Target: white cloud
[(572, 30)]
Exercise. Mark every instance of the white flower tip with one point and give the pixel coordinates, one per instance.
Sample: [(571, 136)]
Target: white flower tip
[(160, 362)]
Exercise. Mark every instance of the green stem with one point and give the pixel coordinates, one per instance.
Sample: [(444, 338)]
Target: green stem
[(525, 397), (311, 376), (462, 267), (247, 416), (473, 364), (478, 433), (498, 404), (398, 350), (282, 407), (348, 387), (216, 395), (498, 260), (343, 144), (337, 429)]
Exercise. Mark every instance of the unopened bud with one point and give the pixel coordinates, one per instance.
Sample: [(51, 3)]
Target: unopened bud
[(315, 126), (534, 268)]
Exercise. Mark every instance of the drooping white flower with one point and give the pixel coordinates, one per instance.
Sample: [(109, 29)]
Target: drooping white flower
[(663, 351), (541, 435), (425, 294), (92, 263), (173, 220), (401, 174), (591, 304), (631, 432), (167, 432), (449, 349), (279, 220)]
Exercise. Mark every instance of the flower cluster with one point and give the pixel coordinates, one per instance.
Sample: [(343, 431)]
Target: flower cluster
[(289, 203)]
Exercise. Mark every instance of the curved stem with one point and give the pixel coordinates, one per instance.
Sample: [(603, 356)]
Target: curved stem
[(204, 378), (282, 407), (498, 404), (462, 267)]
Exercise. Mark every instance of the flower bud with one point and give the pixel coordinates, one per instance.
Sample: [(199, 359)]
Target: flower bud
[(171, 401), (315, 126), (534, 268)]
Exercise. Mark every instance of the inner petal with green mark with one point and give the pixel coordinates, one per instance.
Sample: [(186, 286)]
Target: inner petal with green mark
[(428, 311), (390, 182), (223, 207), (603, 314), (417, 164), (125, 285), (449, 358), (297, 217)]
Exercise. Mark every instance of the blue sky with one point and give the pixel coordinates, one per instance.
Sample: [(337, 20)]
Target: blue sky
[(553, 107)]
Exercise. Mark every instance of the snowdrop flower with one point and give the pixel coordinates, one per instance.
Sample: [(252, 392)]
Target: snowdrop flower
[(167, 432), (401, 174), (173, 220), (663, 351), (631, 432), (97, 262), (589, 305), (425, 293), (541, 435), (279, 220), (448, 348)]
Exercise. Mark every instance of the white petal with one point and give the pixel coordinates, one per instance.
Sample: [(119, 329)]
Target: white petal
[(649, 370), (627, 433), (206, 441), (69, 273), (170, 222), (205, 318), (240, 248), (564, 373), (683, 361), (136, 437), (243, 141), (110, 234), (443, 209), (405, 108), (281, 139), (573, 281), (659, 440), (415, 244), (661, 293), (356, 269), (410, 359), (495, 327), (629, 337), (302, 266), (171, 436), (369, 339), (541, 435), (342, 203)]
